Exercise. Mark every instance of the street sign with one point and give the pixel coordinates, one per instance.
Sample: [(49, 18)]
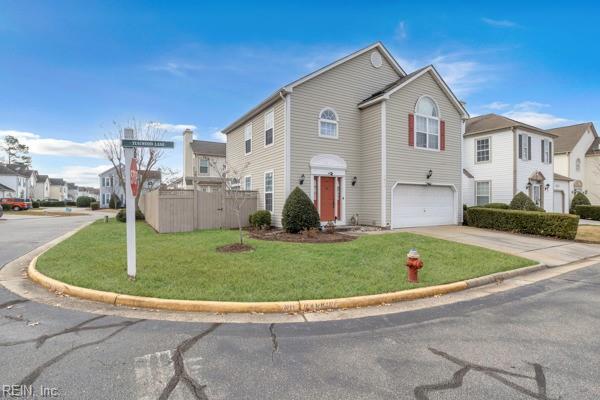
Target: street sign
[(133, 178), (129, 143)]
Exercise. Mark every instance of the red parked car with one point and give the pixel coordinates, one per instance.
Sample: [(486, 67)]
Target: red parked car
[(17, 204)]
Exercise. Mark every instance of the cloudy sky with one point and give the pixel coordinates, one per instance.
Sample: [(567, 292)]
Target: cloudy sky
[(69, 69)]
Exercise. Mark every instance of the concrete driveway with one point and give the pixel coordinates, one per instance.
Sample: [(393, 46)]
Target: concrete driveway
[(551, 252)]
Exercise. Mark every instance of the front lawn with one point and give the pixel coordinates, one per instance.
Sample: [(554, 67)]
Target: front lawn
[(588, 233), (187, 266)]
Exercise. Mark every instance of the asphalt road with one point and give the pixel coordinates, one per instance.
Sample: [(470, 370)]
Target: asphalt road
[(538, 341)]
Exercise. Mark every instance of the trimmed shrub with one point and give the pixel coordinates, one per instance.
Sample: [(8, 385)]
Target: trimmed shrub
[(500, 206), (260, 219), (588, 212), (465, 214), (522, 202), (71, 203), (114, 201), (52, 203), (122, 215), (6, 207), (579, 199), (563, 226), (35, 204), (299, 212), (94, 205), (84, 201)]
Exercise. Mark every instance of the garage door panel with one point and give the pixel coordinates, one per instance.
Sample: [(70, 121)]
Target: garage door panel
[(420, 205)]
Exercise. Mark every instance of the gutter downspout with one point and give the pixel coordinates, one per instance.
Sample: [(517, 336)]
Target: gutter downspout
[(287, 104), (515, 151)]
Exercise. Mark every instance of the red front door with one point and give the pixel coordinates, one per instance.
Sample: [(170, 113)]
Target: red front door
[(327, 199)]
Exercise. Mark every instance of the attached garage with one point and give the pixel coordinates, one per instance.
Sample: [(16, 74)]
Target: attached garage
[(559, 201), (423, 205)]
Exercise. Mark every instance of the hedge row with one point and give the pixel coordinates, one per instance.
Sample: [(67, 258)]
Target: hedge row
[(588, 212), (563, 226)]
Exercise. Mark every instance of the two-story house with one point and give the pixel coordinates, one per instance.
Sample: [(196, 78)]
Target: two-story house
[(13, 182), (502, 157), (369, 143), (41, 191), (576, 156), (110, 184), (203, 163), (72, 191), (58, 189), (30, 177)]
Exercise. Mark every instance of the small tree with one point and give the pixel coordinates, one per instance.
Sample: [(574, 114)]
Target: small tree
[(114, 201), (17, 153), (299, 212), (522, 202), (579, 199)]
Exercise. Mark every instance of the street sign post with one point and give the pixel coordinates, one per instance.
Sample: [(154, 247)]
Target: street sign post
[(129, 143)]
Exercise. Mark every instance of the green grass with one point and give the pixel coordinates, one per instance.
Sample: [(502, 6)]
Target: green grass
[(186, 265)]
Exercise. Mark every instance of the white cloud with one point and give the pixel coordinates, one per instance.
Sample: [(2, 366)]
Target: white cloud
[(56, 147), (218, 136), (500, 23), (79, 174), (172, 128), (400, 33), (530, 112), (497, 105)]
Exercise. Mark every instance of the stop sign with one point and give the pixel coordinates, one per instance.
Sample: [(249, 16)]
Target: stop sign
[(133, 175)]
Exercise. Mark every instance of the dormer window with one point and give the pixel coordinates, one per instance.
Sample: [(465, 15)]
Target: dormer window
[(428, 124), (328, 123)]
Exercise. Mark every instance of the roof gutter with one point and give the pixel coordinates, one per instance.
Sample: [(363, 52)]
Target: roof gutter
[(269, 101)]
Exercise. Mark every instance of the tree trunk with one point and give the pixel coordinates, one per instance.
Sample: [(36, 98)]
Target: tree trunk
[(239, 218)]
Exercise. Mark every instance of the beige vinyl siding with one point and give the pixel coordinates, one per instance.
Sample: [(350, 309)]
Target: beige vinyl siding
[(262, 158), (411, 164), (340, 88), (370, 177)]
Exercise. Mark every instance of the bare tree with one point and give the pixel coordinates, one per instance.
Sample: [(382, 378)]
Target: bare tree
[(169, 176), (231, 180), (147, 158)]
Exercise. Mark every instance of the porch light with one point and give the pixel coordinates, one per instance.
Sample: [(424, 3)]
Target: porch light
[(547, 186), (429, 174), (301, 180), (528, 186), (354, 180)]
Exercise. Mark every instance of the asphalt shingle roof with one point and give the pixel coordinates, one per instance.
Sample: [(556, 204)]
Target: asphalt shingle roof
[(206, 148), (492, 122), (569, 136)]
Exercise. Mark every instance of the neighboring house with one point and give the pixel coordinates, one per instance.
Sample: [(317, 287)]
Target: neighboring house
[(576, 156), (58, 189), (366, 142), (30, 177), (41, 191), (562, 193), (203, 162), (109, 184), (5, 191), (14, 184), (503, 157), (88, 191), (72, 191)]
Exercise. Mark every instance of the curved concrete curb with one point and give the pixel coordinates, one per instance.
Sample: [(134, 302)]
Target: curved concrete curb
[(267, 307)]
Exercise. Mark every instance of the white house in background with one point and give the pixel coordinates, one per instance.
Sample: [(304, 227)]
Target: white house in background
[(14, 184), (72, 191), (502, 157), (58, 189), (41, 191), (576, 156), (30, 177), (202, 162), (88, 191), (109, 184)]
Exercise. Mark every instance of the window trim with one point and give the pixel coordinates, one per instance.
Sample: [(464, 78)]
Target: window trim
[(272, 112), (245, 186), (524, 147), (427, 118), (249, 125), (578, 165), (489, 182), (489, 160), (336, 122), (200, 166), (272, 192)]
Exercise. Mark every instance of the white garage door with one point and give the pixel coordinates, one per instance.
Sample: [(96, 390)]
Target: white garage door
[(559, 201), (420, 205)]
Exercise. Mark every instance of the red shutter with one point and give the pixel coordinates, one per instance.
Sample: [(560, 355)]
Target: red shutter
[(442, 135), (411, 130)]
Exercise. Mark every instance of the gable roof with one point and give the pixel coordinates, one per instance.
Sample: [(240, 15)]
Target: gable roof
[(4, 170), (494, 122), (569, 136), (21, 169), (206, 148), (41, 178), (71, 186), (57, 181), (5, 188), (290, 86), (594, 148), (559, 177)]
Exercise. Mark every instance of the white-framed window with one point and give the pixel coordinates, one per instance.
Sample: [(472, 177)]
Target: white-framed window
[(235, 184), (546, 151), (248, 138), (203, 166), (248, 182), (268, 192), (269, 128), (328, 123), (483, 192), (427, 130), (482, 150), (524, 147), (536, 191), (578, 165)]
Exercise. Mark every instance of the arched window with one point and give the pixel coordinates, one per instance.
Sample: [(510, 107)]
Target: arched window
[(578, 165), (428, 124), (328, 123)]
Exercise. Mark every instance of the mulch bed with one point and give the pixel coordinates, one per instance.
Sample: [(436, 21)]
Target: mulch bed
[(312, 237), (234, 248)]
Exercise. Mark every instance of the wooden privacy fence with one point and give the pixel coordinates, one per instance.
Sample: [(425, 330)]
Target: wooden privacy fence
[(187, 210)]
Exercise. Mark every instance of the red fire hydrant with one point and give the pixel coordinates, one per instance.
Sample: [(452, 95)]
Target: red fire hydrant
[(414, 264)]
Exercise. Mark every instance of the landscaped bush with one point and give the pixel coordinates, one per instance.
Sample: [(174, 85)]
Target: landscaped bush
[(501, 206), (588, 212), (579, 199), (35, 204), (299, 212), (94, 205), (114, 201), (122, 215), (46, 203), (71, 203), (84, 201), (465, 214), (562, 226), (6, 207), (260, 219), (522, 202)]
